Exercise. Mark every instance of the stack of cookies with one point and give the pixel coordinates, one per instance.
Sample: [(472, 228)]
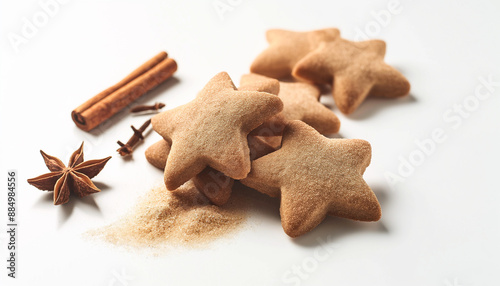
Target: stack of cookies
[(354, 69), (269, 133)]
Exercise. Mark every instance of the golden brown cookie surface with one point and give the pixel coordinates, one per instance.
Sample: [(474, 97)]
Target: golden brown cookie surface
[(213, 184), (258, 82), (212, 130), (216, 186), (157, 154), (355, 70), (274, 125), (286, 48), (315, 176), (300, 102)]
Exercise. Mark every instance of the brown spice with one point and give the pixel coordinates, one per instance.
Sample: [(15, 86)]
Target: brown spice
[(140, 108), (107, 103), (183, 217), (128, 148), (72, 179)]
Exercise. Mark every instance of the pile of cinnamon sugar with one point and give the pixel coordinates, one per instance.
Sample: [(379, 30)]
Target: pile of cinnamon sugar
[(183, 217)]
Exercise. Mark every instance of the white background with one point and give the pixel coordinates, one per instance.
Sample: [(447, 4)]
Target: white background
[(440, 224)]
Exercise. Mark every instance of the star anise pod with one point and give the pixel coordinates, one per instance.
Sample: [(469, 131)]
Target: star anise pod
[(72, 179)]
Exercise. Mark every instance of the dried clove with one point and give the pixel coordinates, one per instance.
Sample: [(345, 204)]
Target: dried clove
[(141, 108), (128, 148)]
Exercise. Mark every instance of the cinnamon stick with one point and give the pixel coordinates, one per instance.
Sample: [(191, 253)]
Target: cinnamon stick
[(110, 101)]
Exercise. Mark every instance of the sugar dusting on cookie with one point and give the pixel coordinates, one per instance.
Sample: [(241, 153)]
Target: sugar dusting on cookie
[(181, 218)]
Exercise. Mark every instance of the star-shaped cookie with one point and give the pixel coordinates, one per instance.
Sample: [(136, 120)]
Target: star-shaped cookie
[(258, 82), (213, 184), (300, 102), (286, 48), (273, 126), (355, 69), (216, 186), (315, 176), (212, 130)]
